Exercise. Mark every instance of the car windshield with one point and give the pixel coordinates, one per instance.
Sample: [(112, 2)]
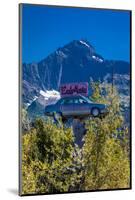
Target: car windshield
[(86, 99)]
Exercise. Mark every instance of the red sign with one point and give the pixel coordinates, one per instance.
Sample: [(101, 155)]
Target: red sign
[(72, 89)]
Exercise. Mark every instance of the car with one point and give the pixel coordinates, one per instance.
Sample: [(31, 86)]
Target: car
[(76, 106)]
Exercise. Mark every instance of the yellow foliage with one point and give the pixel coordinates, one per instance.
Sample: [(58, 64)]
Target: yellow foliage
[(51, 162)]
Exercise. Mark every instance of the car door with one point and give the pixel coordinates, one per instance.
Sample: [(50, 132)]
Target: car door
[(81, 107), (67, 107)]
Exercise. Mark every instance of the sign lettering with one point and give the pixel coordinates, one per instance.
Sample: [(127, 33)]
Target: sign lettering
[(73, 89)]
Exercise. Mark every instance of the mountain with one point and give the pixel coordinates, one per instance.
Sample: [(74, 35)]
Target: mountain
[(36, 108), (75, 62)]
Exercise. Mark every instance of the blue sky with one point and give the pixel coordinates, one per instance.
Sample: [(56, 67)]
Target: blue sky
[(44, 29)]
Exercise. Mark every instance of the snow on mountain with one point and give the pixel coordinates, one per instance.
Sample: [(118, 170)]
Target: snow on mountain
[(82, 42), (34, 99), (37, 107), (48, 97), (97, 59)]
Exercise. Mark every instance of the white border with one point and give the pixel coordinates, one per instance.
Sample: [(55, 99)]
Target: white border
[(9, 97)]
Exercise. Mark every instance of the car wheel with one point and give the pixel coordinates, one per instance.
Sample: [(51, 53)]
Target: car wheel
[(95, 112)]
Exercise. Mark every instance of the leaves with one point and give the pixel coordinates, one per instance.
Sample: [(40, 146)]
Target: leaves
[(52, 163)]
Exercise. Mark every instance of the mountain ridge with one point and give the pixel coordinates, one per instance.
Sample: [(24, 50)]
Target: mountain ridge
[(77, 61)]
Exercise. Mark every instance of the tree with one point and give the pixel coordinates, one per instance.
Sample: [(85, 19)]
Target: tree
[(52, 163), (105, 155), (47, 160)]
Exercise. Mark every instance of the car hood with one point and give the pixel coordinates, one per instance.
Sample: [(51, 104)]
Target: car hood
[(49, 108)]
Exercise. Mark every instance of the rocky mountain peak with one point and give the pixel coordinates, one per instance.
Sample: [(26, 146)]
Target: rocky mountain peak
[(77, 61)]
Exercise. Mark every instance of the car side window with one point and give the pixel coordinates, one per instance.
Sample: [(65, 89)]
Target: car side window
[(66, 101), (76, 101)]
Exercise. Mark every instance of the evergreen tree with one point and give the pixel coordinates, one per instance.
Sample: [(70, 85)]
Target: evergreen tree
[(105, 155), (52, 163), (48, 164)]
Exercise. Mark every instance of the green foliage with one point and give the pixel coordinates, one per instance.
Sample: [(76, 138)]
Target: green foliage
[(105, 155), (106, 160), (47, 161), (52, 163)]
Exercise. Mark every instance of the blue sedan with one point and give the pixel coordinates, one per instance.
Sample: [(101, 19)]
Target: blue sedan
[(76, 106)]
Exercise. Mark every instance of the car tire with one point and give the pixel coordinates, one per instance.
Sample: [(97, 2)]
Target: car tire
[(95, 112)]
